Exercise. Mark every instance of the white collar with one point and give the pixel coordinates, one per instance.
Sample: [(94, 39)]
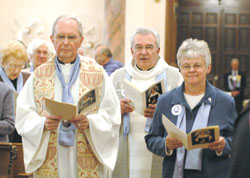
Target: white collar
[(133, 70)]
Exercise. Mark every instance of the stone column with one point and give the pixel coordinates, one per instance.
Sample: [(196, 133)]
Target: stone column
[(114, 34)]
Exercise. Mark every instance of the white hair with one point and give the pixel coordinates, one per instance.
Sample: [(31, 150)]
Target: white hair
[(35, 44), (62, 17), (192, 48), (145, 31)]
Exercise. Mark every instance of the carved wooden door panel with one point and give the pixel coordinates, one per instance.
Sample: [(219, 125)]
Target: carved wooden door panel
[(201, 24), (227, 32), (236, 42)]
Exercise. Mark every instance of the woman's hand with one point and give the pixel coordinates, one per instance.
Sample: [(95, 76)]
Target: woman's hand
[(172, 143), (217, 145)]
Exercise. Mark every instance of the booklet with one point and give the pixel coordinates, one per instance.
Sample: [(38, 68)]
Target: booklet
[(67, 111), (142, 98), (199, 138)]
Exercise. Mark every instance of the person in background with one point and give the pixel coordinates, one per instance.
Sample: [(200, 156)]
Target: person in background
[(195, 104), (87, 144), (7, 114), (81, 51), (103, 56), (38, 52), (13, 58), (241, 145), (146, 67), (235, 82)]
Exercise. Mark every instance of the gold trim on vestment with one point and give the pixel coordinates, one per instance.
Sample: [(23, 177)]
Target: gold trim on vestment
[(91, 76)]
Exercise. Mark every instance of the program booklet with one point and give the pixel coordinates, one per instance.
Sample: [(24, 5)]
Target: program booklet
[(142, 98), (67, 111), (199, 138)]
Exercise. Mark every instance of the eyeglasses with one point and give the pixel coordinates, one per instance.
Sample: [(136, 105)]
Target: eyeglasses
[(16, 66), (44, 53), (70, 38), (148, 48), (187, 67)]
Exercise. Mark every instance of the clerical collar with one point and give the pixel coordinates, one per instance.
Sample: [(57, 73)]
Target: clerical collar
[(141, 69), (64, 63)]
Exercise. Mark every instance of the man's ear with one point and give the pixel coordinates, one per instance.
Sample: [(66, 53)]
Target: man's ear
[(52, 39), (132, 51), (158, 50), (81, 40)]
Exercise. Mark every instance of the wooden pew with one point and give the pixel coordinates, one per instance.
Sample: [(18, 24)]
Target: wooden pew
[(19, 171), (7, 155), (13, 165)]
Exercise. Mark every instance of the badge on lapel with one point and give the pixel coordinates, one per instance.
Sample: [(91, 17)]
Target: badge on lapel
[(176, 109)]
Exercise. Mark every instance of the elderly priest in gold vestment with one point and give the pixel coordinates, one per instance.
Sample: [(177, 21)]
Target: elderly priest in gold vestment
[(87, 144)]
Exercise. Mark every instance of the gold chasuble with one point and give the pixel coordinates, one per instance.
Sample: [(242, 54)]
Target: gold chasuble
[(91, 76)]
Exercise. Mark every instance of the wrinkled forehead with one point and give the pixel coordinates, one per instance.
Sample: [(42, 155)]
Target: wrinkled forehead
[(42, 47), (144, 39), (67, 26), (192, 59), (14, 60)]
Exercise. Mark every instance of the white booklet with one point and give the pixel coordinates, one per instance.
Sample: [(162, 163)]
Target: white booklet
[(67, 111), (199, 138), (142, 98)]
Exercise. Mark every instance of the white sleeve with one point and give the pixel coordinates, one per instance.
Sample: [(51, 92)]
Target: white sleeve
[(30, 126), (103, 132)]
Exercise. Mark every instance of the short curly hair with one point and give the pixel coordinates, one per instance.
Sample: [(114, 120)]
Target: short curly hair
[(192, 48), (13, 48)]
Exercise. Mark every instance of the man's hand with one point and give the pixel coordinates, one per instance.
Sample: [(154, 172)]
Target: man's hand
[(149, 112), (126, 106), (235, 93), (80, 121), (51, 122)]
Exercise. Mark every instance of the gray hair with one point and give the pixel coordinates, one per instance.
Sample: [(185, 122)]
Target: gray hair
[(35, 44), (145, 31), (68, 17), (192, 48), (104, 50)]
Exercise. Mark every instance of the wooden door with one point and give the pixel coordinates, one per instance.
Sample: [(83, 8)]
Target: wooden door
[(225, 27), (201, 23)]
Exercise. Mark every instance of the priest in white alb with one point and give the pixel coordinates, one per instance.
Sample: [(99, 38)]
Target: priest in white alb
[(146, 68), (86, 145)]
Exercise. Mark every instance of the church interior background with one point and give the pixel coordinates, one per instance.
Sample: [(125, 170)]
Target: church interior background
[(224, 24)]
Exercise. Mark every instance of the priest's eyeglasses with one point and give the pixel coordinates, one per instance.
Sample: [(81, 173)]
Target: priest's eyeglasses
[(148, 48), (70, 38)]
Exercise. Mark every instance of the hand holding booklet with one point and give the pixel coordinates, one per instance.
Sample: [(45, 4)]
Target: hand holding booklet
[(142, 98), (199, 138), (68, 111)]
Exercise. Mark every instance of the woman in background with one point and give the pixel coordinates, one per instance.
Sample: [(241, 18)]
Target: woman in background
[(13, 58), (7, 124)]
